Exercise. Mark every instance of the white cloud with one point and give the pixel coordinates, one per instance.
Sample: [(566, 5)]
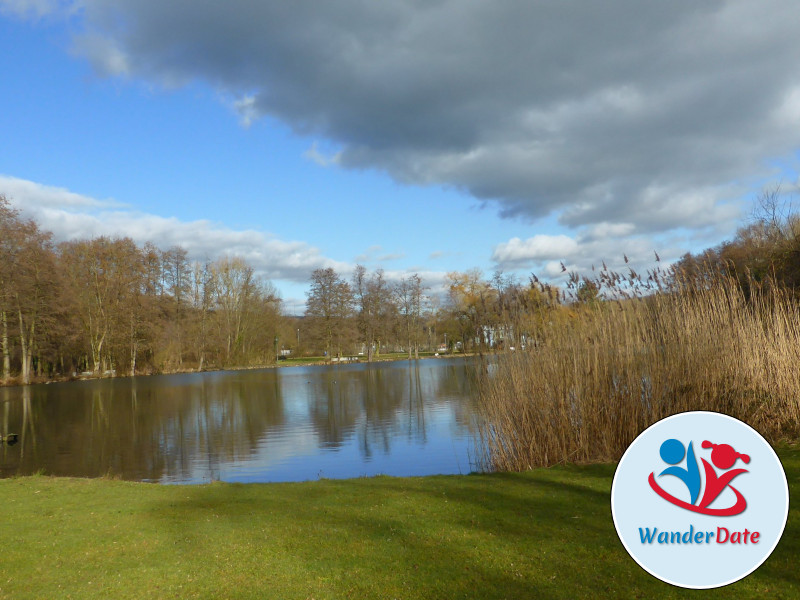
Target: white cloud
[(606, 230), (322, 159), (553, 270), (72, 216), (434, 282), (246, 109), (614, 245), (537, 248), (31, 197)]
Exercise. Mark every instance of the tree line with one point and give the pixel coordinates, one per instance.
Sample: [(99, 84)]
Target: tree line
[(477, 314), (108, 306), (372, 316)]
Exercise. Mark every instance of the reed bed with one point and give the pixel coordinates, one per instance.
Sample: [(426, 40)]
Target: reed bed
[(599, 377)]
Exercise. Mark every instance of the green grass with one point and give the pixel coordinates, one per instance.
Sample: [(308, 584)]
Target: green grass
[(542, 534)]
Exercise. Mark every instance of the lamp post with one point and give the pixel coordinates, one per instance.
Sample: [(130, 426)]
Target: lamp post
[(276, 349)]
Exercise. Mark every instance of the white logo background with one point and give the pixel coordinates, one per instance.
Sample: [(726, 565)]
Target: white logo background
[(635, 505)]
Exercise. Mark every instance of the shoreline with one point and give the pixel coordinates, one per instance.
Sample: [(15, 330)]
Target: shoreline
[(13, 382)]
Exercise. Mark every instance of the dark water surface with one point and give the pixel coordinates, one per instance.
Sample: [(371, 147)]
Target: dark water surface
[(290, 424)]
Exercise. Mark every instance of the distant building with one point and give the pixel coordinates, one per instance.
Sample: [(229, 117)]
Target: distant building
[(500, 336)]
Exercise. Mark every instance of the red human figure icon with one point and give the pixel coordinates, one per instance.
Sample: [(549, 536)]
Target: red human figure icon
[(724, 457)]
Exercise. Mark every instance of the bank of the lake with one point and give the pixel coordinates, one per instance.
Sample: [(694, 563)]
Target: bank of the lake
[(302, 361), (542, 534)]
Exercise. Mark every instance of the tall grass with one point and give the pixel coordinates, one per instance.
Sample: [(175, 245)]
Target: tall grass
[(595, 380)]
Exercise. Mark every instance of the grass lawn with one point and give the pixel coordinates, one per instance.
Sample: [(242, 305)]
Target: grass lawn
[(542, 534)]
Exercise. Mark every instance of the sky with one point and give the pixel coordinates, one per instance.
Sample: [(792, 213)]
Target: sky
[(419, 137)]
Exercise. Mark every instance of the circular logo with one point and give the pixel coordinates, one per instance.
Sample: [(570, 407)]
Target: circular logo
[(699, 500)]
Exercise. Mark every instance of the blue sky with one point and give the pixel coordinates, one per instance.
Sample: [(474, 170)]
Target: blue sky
[(304, 137)]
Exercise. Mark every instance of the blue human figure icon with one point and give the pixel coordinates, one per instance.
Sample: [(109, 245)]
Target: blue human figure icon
[(672, 452)]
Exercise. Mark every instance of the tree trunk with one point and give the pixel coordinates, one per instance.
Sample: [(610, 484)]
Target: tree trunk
[(97, 352), (6, 351), (134, 345), (134, 351), (23, 339)]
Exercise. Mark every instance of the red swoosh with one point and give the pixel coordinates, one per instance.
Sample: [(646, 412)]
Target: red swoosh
[(737, 508)]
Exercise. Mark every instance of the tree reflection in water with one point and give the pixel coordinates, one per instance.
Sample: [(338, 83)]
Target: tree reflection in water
[(265, 425)]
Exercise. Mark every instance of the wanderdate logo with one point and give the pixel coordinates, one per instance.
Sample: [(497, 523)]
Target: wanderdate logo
[(699, 500), (723, 457)]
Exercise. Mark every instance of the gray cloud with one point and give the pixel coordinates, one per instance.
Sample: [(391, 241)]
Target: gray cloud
[(631, 121), (645, 113)]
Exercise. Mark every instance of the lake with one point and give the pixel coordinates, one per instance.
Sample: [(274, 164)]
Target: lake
[(402, 418)]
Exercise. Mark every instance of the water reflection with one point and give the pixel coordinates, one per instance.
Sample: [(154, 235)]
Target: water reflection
[(402, 418)]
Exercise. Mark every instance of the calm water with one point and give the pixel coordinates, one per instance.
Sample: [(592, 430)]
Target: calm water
[(289, 424)]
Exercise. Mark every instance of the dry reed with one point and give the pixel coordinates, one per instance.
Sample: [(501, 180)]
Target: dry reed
[(594, 381)]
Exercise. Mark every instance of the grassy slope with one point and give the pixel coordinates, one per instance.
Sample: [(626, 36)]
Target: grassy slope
[(542, 534)]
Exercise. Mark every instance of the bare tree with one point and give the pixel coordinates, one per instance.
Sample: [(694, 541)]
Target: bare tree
[(8, 219), (372, 297), (202, 294), (408, 294), (105, 277), (35, 292), (234, 289), (28, 283), (773, 214), (329, 306)]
